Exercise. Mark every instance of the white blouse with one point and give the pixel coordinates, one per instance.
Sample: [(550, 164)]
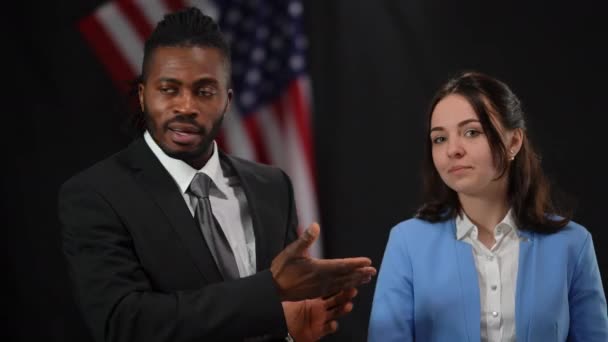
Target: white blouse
[(497, 271)]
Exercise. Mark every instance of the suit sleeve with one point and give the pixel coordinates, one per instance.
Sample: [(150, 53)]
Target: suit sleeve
[(588, 316), (119, 302), (393, 304), (292, 217)]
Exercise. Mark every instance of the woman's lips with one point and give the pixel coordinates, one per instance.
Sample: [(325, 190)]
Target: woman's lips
[(458, 168)]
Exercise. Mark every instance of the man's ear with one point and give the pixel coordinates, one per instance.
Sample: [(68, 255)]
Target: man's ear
[(140, 94), (230, 93)]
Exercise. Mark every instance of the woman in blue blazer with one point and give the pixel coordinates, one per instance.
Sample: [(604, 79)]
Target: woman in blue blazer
[(487, 258)]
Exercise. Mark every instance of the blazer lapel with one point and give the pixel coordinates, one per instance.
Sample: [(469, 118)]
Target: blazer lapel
[(469, 287), (155, 179), (251, 182), (524, 293)]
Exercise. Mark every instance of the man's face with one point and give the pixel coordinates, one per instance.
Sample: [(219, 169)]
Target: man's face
[(184, 98)]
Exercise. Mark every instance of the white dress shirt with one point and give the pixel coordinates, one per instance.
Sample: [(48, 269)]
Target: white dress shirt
[(227, 198), (497, 272)]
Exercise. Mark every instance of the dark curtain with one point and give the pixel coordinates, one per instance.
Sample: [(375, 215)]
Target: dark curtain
[(376, 65)]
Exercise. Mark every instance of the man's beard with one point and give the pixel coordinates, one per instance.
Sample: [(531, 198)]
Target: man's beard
[(201, 150)]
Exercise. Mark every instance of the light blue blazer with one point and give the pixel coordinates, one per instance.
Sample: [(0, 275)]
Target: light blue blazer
[(428, 288)]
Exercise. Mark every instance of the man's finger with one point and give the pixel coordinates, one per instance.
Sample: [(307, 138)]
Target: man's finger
[(330, 328), (306, 239), (335, 267), (331, 301), (337, 272), (339, 311), (356, 280), (345, 282), (341, 298), (334, 300)]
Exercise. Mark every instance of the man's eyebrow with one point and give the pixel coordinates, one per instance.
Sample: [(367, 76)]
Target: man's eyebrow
[(206, 81), (170, 80)]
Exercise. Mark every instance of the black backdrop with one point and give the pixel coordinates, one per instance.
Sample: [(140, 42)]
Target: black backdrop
[(374, 66)]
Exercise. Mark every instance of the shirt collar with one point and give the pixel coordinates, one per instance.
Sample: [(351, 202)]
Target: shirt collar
[(180, 171), (464, 225)]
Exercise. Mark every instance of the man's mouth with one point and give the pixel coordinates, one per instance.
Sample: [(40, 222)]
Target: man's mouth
[(181, 132), (184, 129), (184, 134)]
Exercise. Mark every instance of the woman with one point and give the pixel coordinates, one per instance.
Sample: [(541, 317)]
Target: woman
[(488, 257)]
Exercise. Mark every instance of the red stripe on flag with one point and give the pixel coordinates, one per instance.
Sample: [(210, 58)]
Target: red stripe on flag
[(107, 52), (279, 112), (175, 5), (136, 18), (251, 125), (301, 117)]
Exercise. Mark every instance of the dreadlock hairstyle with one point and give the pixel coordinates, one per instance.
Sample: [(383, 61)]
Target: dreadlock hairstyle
[(186, 28), (528, 190)]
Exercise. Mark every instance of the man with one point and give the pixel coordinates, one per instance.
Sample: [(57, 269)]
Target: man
[(172, 240)]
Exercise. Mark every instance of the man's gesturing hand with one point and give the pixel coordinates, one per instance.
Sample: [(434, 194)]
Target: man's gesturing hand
[(299, 276)]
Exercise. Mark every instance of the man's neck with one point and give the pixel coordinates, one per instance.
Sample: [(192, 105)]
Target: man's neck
[(199, 162)]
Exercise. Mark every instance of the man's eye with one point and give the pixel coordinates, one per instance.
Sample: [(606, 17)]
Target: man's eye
[(206, 92), (168, 90)]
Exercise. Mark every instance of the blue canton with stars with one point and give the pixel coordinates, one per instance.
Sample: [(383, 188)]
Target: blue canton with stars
[(268, 47)]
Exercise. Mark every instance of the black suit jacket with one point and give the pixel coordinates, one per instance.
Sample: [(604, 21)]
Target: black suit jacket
[(140, 266)]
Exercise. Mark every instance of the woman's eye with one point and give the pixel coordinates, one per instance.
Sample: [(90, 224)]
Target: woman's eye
[(472, 133), (438, 140)]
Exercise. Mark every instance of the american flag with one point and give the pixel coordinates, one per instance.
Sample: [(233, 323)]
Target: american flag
[(271, 112)]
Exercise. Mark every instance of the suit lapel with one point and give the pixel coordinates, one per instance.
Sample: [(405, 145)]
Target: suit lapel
[(469, 287), (155, 179), (254, 191)]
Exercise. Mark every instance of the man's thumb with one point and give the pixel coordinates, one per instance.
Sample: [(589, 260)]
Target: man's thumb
[(307, 238)]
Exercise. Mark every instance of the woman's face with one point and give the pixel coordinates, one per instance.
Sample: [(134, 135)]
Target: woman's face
[(460, 149)]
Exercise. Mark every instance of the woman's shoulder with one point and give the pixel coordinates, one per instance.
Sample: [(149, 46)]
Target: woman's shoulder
[(575, 229), (572, 234)]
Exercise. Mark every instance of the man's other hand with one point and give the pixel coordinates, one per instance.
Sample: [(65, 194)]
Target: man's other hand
[(309, 320)]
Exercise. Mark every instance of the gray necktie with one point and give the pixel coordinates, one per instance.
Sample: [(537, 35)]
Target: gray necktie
[(214, 236)]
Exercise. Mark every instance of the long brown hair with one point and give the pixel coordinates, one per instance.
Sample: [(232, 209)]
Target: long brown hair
[(528, 192)]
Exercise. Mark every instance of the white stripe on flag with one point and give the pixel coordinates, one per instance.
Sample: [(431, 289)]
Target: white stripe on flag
[(153, 10), (271, 134), (122, 34), (236, 137), (298, 171), (304, 85), (206, 6)]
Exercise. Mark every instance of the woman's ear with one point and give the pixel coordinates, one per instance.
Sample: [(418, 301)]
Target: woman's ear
[(515, 139)]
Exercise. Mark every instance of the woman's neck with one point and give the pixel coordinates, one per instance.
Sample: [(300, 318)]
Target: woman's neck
[(485, 211)]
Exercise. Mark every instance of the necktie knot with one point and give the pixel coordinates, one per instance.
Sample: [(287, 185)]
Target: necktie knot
[(200, 185)]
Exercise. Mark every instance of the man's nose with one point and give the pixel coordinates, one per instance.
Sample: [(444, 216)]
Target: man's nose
[(186, 104)]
